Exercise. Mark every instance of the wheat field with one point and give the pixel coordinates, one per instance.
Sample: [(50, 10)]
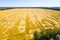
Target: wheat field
[(20, 24)]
